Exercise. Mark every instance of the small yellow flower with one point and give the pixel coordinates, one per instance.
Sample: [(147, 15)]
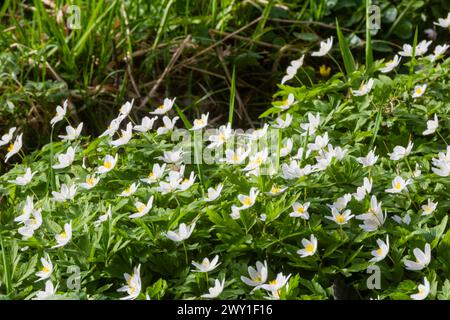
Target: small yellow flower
[(324, 71)]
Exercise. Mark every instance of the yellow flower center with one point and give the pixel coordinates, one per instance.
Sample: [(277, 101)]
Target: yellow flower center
[(235, 157), (257, 278), (141, 208), (247, 201), (273, 282), (309, 248), (161, 107), (199, 122), (221, 137), (379, 251), (340, 218), (127, 190), (150, 175), (63, 235), (419, 90), (361, 87), (275, 189), (107, 165), (300, 210), (10, 147), (285, 102), (398, 186), (132, 289), (90, 181), (46, 269)]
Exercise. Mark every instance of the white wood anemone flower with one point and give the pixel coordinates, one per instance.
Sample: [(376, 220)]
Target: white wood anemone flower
[(443, 22), (300, 210), (291, 71), (325, 47), (258, 276), (215, 291), (423, 258), (14, 148), (382, 251), (309, 247), (206, 265), (183, 233), (142, 208), (64, 237), (47, 268), (65, 159), (60, 113), (108, 164), (72, 133), (423, 289), (25, 179), (165, 107), (7, 137), (133, 284)]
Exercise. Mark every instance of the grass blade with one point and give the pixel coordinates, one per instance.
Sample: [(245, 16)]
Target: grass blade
[(349, 61)]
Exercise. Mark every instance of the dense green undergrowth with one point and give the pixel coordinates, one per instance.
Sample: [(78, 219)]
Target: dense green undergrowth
[(342, 192)]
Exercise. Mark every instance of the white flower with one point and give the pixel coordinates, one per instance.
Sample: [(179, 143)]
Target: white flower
[(65, 159), (301, 154), (6, 138), (170, 186), (310, 247), (319, 143), (432, 125), (48, 294), (429, 207), (64, 237), (215, 291), (382, 251), (168, 125), (287, 103), (183, 233), (156, 173), (443, 22), (133, 284), (363, 88), (125, 109), (113, 126), (125, 136), (293, 170), (72, 133), (14, 148), (300, 210), (400, 152), (248, 201), (422, 259), (341, 202), (213, 194), (31, 224), (283, 123), (146, 125), (363, 190), (187, 183), (291, 71), (175, 156), (398, 185), (374, 217), (108, 164), (60, 113), (90, 182), (419, 91), (442, 163), (26, 210), (104, 217), (235, 212), (406, 220), (279, 282), (165, 107), (236, 157), (257, 160), (424, 289), (439, 51), (275, 190), (369, 160), (340, 218), (421, 49), (325, 47), (258, 276), (142, 208), (66, 193), (259, 133), (47, 268), (224, 133), (392, 64), (200, 123), (206, 265), (25, 179), (129, 190), (312, 125)]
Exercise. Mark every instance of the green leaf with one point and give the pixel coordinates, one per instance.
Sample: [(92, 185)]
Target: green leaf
[(349, 61)]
